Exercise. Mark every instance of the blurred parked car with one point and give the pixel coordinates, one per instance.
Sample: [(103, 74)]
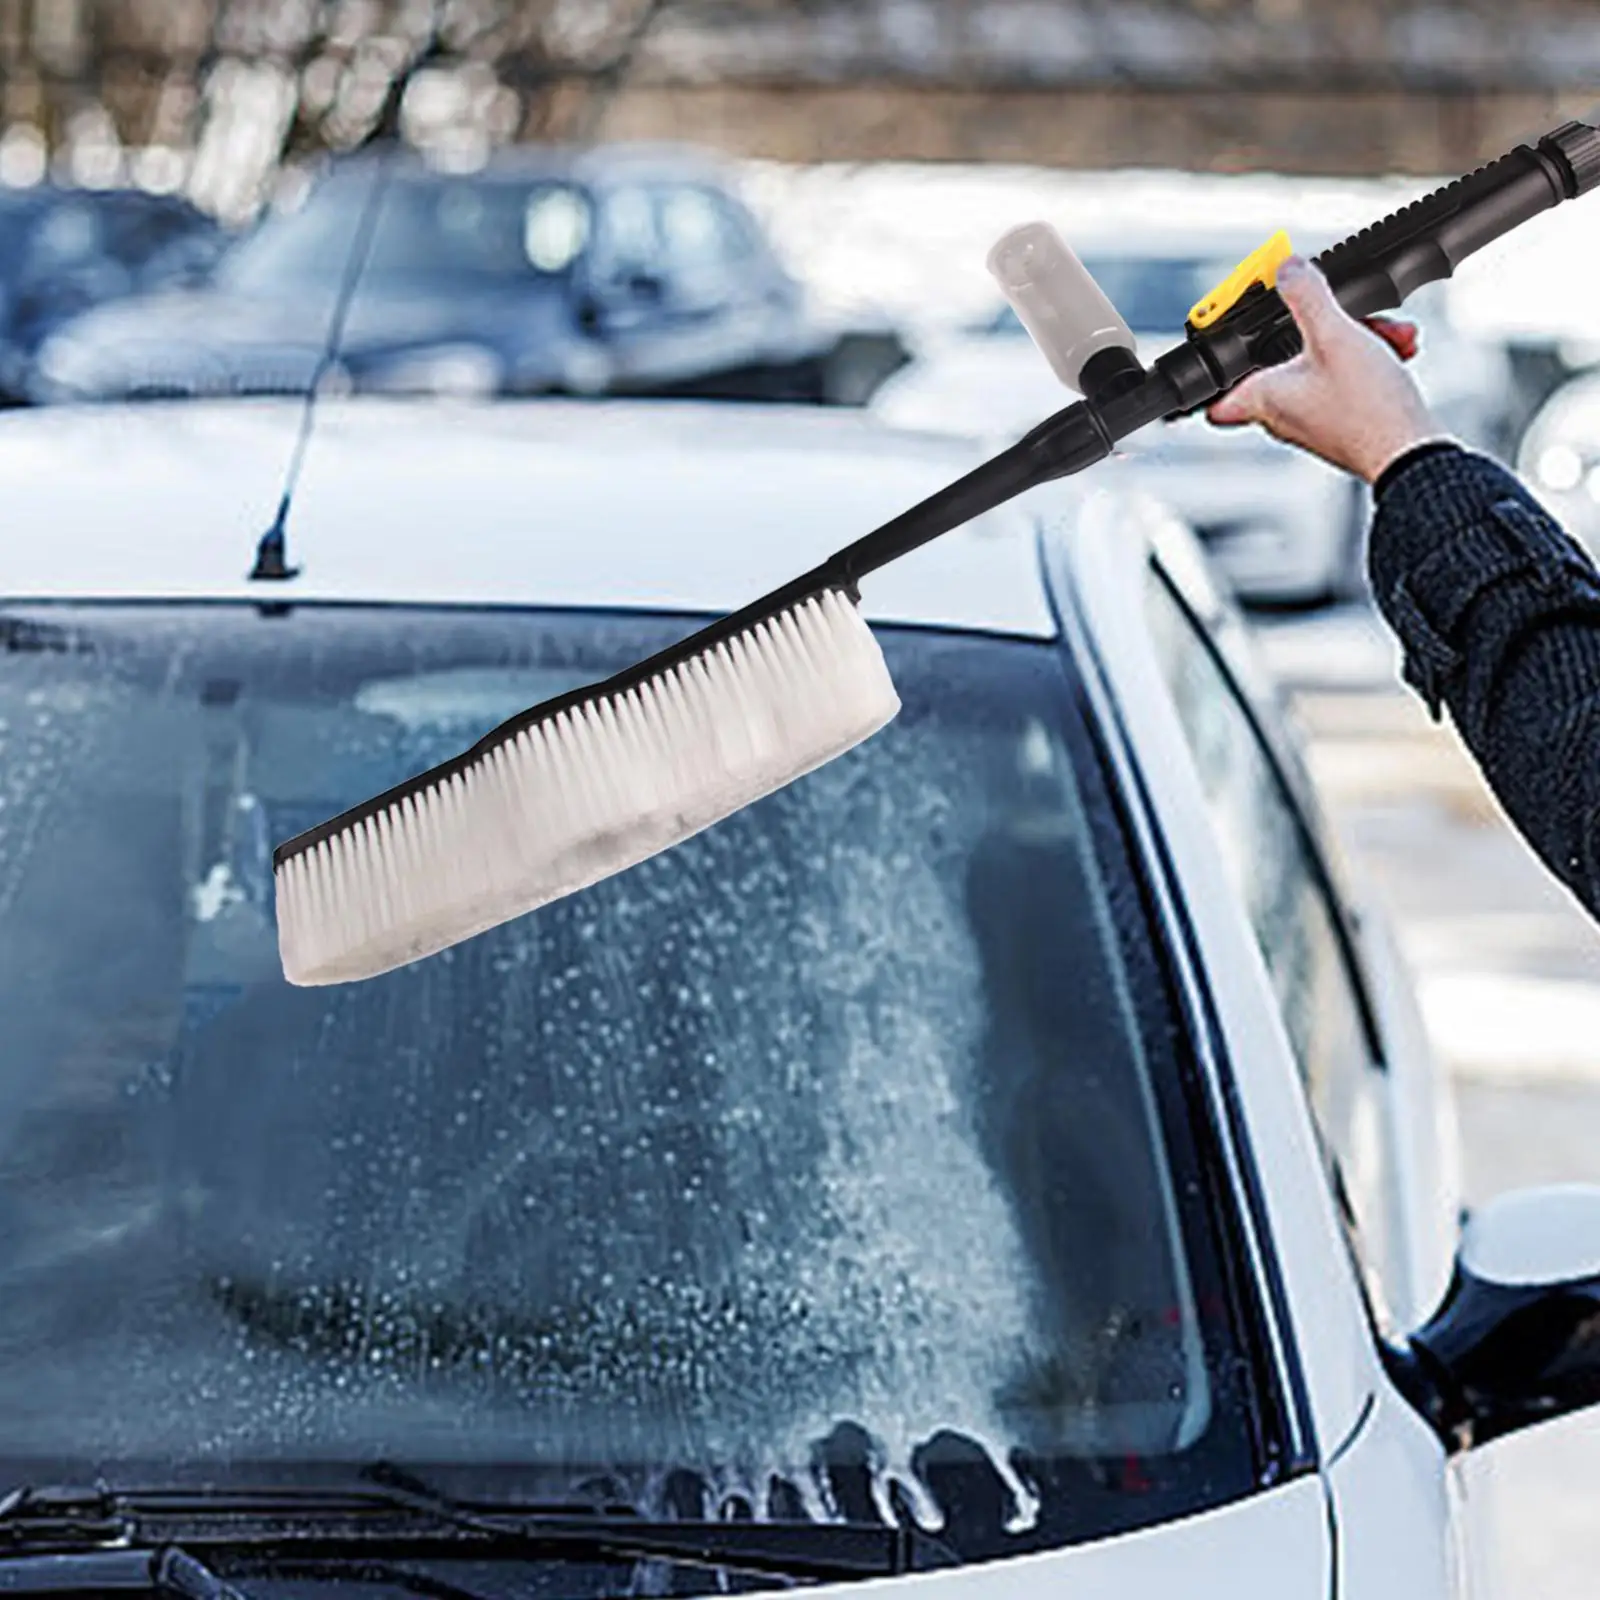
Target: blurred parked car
[(619, 270), (1280, 526), (1004, 1140), (63, 251), (1560, 457)]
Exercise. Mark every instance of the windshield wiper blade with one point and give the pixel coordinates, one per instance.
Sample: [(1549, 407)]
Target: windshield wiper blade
[(167, 1571), (70, 1515), (834, 1549), (350, 1523), (31, 1519), (370, 1569)]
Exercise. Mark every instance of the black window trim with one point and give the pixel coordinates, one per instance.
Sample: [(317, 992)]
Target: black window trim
[(1333, 897), (1338, 915)]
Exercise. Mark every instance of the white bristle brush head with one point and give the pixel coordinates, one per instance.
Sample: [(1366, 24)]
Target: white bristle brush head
[(571, 799)]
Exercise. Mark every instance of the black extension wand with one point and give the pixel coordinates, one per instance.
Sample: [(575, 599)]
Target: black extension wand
[(584, 785), (1241, 327)]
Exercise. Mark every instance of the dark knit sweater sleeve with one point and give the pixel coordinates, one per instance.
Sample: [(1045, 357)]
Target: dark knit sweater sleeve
[(1498, 613)]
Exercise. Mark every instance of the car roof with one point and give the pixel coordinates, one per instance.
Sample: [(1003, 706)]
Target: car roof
[(660, 505)]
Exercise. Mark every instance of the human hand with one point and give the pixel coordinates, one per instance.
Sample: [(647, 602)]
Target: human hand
[(1345, 397)]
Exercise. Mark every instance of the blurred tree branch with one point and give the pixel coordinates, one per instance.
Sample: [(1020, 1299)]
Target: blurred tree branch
[(314, 75), (226, 91)]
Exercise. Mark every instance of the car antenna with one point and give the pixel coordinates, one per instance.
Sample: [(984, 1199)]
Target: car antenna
[(272, 558), (272, 564)]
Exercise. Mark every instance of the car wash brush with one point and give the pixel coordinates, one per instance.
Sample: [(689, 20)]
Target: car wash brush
[(595, 781)]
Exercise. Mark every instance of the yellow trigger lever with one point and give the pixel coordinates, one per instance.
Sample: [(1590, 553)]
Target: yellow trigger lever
[(1260, 266)]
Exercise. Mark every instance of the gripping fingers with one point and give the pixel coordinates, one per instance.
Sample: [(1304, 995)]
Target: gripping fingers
[(1238, 406)]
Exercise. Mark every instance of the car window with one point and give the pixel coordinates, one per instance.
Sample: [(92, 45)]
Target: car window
[(691, 227), (630, 234), (432, 231), (69, 232), (18, 212), (740, 235), (853, 1129), (1273, 862)]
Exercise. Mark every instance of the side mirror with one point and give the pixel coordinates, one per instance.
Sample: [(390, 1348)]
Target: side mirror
[(1517, 1339)]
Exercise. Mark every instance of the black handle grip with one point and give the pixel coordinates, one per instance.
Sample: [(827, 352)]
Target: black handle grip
[(1376, 269)]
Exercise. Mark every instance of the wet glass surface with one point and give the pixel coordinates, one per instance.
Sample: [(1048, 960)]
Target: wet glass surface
[(832, 1164)]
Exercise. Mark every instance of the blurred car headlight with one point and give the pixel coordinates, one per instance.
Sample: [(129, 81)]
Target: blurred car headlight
[(64, 363), (1564, 469), (1559, 456), (466, 370), (1559, 467)]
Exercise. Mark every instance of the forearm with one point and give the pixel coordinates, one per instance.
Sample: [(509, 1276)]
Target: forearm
[(1498, 612)]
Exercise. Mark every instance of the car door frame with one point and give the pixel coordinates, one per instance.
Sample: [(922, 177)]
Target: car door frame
[(1096, 555), (1396, 1503), (1418, 1109)]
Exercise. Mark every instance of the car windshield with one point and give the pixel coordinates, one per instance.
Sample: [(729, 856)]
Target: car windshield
[(428, 232), (850, 1131)]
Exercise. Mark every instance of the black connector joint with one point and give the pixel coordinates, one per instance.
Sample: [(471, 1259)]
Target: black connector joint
[(1110, 372), (1575, 149)]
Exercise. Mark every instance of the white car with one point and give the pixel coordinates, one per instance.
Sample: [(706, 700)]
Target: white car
[(1003, 1155), (1281, 526)]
